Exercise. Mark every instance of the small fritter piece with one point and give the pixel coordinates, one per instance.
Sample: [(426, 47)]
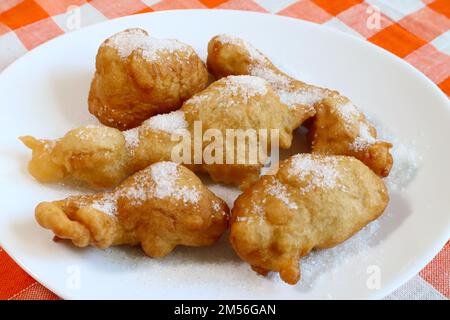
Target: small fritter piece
[(312, 202), (340, 128), (228, 55), (103, 156), (138, 76), (95, 154), (160, 207)]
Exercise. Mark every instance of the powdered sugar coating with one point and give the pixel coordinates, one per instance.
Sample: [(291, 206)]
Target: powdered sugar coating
[(252, 51), (232, 90), (165, 174), (247, 86), (171, 122), (126, 42), (106, 204), (279, 191), (278, 81), (306, 97), (349, 113), (94, 132), (318, 172), (197, 99), (159, 181), (364, 140), (131, 138), (352, 117)]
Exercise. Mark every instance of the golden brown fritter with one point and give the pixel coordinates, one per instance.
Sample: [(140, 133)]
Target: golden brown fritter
[(96, 154), (160, 207), (138, 76), (103, 156), (228, 55), (245, 104), (312, 202), (340, 128)]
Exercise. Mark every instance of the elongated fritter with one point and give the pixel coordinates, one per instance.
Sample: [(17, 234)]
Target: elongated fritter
[(234, 106), (160, 207)]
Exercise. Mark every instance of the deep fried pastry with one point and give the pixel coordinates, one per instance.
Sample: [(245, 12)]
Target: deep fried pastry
[(229, 55), (160, 207), (312, 202), (240, 103), (96, 154), (340, 128), (332, 132), (103, 156), (138, 76)]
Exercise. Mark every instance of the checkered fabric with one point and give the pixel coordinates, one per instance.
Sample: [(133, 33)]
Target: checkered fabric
[(417, 31)]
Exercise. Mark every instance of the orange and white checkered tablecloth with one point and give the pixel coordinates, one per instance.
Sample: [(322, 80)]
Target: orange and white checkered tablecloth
[(417, 31)]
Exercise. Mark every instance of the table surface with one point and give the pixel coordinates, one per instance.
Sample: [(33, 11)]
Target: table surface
[(417, 31)]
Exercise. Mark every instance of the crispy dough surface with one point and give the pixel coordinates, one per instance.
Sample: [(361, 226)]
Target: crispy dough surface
[(160, 207), (313, 201), (103, 157), (138, 76), (358, 138)]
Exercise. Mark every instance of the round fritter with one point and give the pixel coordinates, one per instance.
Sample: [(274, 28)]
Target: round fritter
[(138, 76)]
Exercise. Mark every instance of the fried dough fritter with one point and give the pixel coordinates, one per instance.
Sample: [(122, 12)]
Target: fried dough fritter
[(229, 55), (340, 128), (332, 132), (312, 202), (138, 76), (160, 207), (103, 156)]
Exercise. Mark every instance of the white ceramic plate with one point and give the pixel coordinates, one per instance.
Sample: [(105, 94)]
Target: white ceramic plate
[(45, 93)]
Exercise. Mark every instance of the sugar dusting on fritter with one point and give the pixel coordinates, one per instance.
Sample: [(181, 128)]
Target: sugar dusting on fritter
[(127, 41), (319, 172), (232, 90), (159, 181), (281, 83), (352, 117), (253, 52), (94, 132), (106, 204), (364, 140), (131, 138), (165, 174), (349, 113), (306, 96), (279, 191), (244, 87), (170, 122)]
